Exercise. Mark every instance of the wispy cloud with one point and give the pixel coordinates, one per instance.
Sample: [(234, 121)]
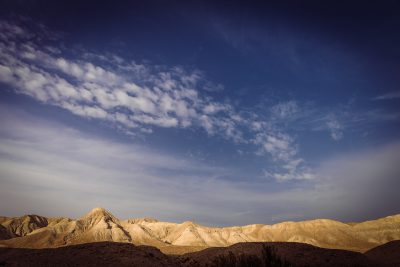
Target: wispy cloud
[(132, 96), (335, 128), (279, 146), (288, 165), (303, 116), (125, 93), (285, 110), (46, 156), (132, 180), (139, 97), (388, 96)]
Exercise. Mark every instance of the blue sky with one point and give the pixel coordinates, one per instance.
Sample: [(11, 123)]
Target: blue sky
[(225, 115)]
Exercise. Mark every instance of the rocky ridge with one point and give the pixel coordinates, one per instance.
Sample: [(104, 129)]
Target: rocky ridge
[(32, 231)]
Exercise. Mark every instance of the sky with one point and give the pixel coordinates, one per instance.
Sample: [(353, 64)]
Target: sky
[(222, 114)]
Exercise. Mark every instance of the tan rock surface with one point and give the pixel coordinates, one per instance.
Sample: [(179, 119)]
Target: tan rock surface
[(32, 231)]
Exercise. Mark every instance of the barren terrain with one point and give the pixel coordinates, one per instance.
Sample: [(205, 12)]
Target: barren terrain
[(33, 231)]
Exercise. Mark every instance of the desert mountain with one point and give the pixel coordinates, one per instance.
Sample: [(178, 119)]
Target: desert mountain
[(32, 231)]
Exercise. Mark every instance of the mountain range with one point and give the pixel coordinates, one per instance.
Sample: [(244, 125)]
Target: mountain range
[(99, 225)]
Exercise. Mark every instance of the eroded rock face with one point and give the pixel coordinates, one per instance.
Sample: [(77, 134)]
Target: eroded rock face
[(21, 226), (34, 231)]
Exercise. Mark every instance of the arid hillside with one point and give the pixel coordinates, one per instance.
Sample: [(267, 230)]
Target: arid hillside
[(99, 225), (276, 254)]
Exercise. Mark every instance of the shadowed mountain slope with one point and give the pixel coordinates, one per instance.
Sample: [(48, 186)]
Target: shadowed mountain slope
[(275, 254), (91, 254), (388, 253), (282, 254)]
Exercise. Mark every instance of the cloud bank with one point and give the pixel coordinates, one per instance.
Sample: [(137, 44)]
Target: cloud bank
[(52, 169)]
